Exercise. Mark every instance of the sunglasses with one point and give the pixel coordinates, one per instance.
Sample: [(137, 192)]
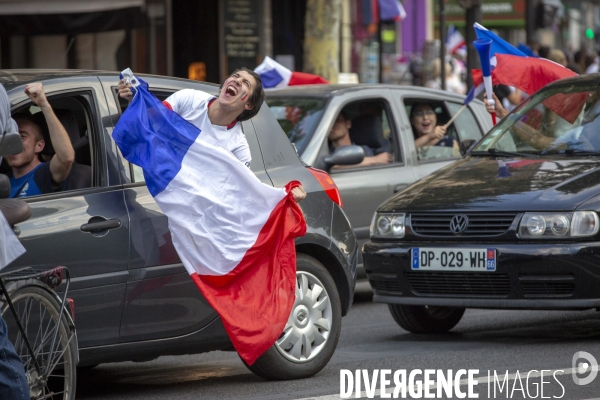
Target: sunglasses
[(429, 113)]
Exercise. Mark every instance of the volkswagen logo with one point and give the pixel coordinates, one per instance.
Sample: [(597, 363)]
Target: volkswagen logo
[(459, 223)]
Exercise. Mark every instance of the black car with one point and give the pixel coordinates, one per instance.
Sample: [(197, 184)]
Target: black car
[(513, 225), (133, 298)]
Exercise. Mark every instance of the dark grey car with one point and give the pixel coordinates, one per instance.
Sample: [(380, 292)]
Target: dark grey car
[(133, 298), (379, 113)]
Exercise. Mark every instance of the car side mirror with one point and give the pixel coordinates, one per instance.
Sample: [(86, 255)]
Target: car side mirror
[(465, 146), (10, 143), (345, 155)]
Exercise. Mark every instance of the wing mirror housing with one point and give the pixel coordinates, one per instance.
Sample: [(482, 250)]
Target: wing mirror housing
[(465, 146), (10, 143), (345, 155)]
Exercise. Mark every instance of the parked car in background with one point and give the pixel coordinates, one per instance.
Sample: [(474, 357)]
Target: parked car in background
[(513, 225), (133, 298), (379, 114)]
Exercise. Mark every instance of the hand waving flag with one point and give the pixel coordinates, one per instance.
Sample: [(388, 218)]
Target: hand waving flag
[(512, 67)]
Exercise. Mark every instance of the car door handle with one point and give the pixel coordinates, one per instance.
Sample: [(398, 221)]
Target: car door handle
[(400, 187), (99, 224)]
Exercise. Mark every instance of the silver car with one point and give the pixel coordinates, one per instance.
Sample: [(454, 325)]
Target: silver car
[(379, 113)]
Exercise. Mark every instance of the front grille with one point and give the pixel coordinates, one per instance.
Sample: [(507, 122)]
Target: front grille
[(459, 284), (390, 285), (480, 224), (547, 286)]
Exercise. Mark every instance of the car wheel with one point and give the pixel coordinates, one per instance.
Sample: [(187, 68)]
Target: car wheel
[(312, 331), (426, 319)]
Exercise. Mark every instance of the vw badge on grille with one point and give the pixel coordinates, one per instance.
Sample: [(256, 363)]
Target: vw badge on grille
[(459, 223)]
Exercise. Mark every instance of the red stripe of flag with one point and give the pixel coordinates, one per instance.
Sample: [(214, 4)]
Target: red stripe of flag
[(256, 305)]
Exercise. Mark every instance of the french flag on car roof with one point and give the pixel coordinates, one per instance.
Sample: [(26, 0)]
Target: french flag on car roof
[(274, 74), (234, 234)]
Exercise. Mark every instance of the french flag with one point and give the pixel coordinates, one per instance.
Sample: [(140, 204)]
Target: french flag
[(373, 11), (512, 67), (274, 74), (454, 40), (234, 234)]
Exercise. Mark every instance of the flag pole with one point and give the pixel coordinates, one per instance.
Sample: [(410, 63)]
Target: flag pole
[(483, 47), (455, 115)]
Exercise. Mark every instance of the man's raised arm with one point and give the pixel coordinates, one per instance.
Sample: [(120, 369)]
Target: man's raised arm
[(61, 162)]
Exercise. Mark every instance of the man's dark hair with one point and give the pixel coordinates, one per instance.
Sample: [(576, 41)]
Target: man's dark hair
[(37, 119), (419, 104), (257, 98), (345, 115)]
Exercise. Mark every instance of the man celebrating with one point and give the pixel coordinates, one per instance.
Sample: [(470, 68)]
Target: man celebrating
[(233, 233), (240, 98), (30, 176)]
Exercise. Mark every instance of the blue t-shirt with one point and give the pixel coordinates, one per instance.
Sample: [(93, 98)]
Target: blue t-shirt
[(37, 181)]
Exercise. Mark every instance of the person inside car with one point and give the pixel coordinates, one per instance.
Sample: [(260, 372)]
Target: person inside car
[(339, 136), (29, 176), (425, 128), (240, 98), (557, 133)]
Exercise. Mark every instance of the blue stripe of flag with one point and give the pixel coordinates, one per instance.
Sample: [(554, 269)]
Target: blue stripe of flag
[(499, 45), (154, 138)]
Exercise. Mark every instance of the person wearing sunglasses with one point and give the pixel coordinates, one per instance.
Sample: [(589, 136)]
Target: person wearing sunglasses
[(425, 128)]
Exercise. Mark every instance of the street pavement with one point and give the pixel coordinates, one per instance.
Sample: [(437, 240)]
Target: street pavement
[(502, 341)]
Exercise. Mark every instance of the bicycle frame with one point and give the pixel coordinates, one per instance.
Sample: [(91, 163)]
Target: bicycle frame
[(52, 278)]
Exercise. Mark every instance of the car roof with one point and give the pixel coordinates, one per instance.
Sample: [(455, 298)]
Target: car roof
[(12, 78), (339, 89), (592, 79)]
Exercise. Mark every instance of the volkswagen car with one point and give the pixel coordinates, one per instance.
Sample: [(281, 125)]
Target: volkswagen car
[(512, 225)]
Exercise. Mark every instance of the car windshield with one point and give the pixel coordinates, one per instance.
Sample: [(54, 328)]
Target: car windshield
[(563, 120), (298, 116)]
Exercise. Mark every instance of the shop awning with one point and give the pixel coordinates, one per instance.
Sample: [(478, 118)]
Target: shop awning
[(28, 7), (55, 17)]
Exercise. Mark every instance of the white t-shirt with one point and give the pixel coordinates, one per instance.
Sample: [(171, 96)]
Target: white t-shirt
[(193, 105)]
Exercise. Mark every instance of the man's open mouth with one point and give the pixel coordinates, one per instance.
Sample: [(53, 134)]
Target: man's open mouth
[(231, 91)]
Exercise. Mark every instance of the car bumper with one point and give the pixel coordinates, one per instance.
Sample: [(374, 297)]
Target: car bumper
[(527, 276)]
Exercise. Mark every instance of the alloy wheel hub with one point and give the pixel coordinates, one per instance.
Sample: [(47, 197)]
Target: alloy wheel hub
[(301, 313), (308, 327)]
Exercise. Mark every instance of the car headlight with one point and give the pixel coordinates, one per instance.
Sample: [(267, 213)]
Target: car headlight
[(388, 225), (552, 225)]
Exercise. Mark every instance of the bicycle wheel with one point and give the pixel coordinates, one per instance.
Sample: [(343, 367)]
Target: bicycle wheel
[(38, 311)]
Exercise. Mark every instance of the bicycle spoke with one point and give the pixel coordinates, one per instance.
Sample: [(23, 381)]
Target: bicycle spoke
[(65, 348), (45, 340)]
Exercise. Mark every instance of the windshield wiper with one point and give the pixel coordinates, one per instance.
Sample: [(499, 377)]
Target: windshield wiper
[(500, 153), (571, 152), (578, 152)]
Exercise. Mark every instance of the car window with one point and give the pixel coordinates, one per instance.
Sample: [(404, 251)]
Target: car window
[(560, 120), (74, 111), (370, 128), (448, 146), (465, 123), (298, 117)]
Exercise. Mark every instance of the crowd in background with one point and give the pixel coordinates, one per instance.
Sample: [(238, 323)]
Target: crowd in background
[(583, 61)]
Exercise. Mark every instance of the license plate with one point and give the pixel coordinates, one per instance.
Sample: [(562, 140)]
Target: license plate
[(448, 259)]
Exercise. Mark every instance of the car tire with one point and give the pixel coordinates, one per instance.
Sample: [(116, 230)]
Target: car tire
[(285, 361), (426, 319)]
